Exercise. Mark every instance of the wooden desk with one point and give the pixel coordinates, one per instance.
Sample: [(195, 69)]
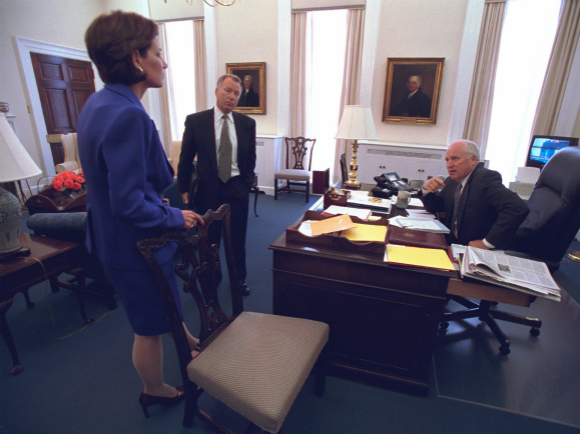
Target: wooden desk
[(48, 258), (383, 319)]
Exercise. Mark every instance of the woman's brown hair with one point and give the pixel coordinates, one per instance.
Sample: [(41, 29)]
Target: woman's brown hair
[(111, 41)]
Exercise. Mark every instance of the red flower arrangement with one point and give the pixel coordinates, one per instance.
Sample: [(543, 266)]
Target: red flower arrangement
[(68, 181)]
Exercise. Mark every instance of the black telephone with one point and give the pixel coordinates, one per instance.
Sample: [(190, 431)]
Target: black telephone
[(389, 184)]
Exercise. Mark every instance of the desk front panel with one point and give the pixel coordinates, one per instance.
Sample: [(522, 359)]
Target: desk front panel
[(383, 320)]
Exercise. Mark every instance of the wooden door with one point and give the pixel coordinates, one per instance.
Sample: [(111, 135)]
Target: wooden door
[(64, 85)]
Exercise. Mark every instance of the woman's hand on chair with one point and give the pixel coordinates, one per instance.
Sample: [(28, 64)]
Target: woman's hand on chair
[(191, 219)]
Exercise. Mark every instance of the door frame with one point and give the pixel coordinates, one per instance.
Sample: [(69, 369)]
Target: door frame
[(25, 47)]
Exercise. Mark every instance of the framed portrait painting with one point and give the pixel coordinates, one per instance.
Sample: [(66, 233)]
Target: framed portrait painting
[(412, 90), (253, 76)]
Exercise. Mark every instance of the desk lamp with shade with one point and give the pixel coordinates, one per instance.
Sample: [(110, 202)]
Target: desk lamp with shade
[(15, 164), (356, 124)]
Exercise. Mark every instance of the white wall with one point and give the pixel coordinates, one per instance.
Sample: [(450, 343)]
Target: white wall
[(249, 32), (416, 28)]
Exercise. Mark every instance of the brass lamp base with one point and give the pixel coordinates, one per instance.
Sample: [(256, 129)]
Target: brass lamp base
[(574, 255), (352, 183)]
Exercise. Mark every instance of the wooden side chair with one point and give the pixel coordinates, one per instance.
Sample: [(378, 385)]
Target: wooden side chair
[(254, 363), (298, 167)]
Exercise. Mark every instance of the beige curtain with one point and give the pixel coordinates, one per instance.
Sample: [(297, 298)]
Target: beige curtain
[(200, 65), (482, 86), (298, 75), (352, 71), (164, 96), (559, 67)]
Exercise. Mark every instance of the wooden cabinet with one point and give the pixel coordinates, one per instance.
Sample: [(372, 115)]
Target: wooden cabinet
[(412, 161)]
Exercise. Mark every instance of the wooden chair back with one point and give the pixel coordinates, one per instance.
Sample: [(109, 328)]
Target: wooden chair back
[(275, 344), (298, 151)]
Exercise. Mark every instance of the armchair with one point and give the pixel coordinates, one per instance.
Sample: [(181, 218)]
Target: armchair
[(65, 152), (254, 363)]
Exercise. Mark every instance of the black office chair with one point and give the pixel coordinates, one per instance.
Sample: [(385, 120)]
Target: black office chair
[(343, 168), (545, 235)]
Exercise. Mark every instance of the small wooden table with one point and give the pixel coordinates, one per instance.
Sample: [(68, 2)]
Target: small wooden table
[(48, 258)]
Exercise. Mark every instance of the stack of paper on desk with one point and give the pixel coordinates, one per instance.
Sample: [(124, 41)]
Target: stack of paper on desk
[(525, 275), (362, 199), (362, 214), (429, 225), (418, 257)]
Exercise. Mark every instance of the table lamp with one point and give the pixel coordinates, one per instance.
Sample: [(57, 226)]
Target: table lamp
[(15, 164), (356, 124)]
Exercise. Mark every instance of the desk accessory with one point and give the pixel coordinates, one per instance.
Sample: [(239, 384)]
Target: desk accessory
[(410, 237), (15, 164), (334, 239), (336, 196), (356, 124)]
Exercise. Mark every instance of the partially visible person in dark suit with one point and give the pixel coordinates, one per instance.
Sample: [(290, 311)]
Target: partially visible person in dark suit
[(126, 171), (225, 145), (415, 104), (249, 97), (479, 210)]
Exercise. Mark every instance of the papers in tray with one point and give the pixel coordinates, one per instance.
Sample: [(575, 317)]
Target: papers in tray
[(362, 214), (525, 275), (418, 257), (362, 199), (333, 224), (429, 225)]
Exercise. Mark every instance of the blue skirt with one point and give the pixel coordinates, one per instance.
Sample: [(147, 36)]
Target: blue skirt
[(141, 300)]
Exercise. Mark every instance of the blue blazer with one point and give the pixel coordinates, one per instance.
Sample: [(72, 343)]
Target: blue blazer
[(126, 171)]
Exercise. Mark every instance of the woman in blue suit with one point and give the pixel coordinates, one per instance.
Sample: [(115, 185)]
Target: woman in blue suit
[(126, 171)]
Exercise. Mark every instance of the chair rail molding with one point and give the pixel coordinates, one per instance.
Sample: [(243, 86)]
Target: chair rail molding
[(24, 47)]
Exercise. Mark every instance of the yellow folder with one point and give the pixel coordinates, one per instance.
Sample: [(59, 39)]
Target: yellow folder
[(418, 256), (366, 233)]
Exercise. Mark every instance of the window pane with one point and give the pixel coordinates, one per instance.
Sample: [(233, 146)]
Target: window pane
[(324, 79), (526, 44), (180, 74)]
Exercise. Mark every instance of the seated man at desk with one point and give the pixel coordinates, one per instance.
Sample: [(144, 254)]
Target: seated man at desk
[(479, 210)]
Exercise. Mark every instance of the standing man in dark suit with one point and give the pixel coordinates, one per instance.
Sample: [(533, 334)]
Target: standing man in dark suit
[(225, 145), (479, 210)]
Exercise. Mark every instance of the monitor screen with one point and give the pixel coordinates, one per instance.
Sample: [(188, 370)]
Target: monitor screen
[(543, 148)]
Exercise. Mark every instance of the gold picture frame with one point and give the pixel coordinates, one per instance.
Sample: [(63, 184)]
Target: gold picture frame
[(252, 100), (418, 77)]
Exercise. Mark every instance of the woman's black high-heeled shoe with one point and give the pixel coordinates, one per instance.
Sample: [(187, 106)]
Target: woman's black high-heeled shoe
[(146, 400)]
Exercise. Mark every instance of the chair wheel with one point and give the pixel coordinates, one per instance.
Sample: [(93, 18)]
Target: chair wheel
[(534, 331), (443, 325), (505, 350)]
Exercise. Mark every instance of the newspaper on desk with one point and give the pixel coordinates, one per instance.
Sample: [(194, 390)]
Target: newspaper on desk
[(525, 275)]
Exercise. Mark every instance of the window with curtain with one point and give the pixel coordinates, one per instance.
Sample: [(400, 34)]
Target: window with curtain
[(180, 73), (326, 46), (526, 43)]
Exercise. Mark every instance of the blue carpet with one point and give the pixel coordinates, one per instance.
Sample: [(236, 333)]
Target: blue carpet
[(86, 383)]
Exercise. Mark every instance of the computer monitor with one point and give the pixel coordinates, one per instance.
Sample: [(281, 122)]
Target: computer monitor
[(542, 148)]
